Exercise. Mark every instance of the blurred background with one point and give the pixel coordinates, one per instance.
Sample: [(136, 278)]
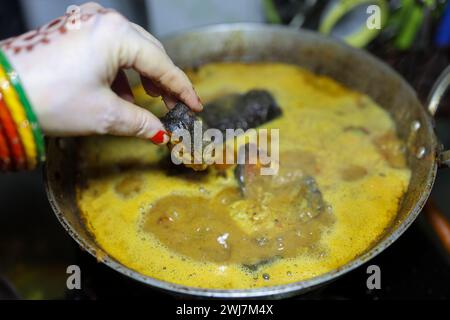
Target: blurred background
[(414, 38)]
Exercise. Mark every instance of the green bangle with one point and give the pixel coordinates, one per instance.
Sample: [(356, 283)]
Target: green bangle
[(15, 81)]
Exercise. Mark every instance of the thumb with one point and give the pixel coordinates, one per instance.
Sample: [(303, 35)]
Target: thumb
[(132, 120)]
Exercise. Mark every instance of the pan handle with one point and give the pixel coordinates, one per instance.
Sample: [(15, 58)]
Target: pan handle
[(434, 99)]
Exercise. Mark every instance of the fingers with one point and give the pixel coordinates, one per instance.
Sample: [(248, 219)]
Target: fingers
[(154, 64), (128, 119)]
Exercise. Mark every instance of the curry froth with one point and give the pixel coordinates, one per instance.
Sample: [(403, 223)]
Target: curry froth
[(196, 229)]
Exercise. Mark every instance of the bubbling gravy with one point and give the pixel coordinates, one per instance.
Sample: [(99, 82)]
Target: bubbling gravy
[(342, 175), (284, 214)]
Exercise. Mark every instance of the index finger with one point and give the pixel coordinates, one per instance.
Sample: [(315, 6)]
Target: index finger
[(152, 62)]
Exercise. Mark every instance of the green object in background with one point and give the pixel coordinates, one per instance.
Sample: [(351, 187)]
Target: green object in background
[(401, 24), (271, 12), (347, 20), (408, 20)]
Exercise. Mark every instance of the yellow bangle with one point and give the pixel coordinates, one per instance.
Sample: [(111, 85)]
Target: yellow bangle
[(20, 119)]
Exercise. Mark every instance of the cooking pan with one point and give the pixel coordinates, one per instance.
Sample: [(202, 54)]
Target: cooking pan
[(354, 68)]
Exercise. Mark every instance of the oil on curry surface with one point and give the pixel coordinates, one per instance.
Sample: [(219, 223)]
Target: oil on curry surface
[(196, 229)]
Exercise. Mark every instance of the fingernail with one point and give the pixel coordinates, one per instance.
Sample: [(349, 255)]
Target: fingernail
[(160, 137)]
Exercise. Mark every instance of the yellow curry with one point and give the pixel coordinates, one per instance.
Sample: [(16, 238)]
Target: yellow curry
[(196, 228)]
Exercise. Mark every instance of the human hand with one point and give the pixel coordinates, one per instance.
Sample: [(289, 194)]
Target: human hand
[(68, 73)]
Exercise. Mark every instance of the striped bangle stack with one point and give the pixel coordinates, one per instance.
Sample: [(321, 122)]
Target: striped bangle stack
[(21, 140)]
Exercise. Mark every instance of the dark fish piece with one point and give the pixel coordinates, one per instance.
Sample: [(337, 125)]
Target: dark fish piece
[(233, 111), (181, 117), (241, 111)]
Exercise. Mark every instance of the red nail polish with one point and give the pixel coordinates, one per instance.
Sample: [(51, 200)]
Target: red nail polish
[(159, 137)]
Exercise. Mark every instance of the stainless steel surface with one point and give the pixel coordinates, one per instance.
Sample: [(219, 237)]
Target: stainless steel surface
[(251, 42), (437, 93)]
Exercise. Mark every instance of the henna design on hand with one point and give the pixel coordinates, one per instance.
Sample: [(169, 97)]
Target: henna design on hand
[(43, 35)]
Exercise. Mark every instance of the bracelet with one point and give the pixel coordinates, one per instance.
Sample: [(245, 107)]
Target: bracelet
[(12, 137), (21, 133), (15, 81), (20, 120)]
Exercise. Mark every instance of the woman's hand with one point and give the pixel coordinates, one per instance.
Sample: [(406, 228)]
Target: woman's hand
[(69, 66)]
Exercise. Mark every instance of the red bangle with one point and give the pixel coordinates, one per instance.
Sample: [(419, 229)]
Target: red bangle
[(11, 136)]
